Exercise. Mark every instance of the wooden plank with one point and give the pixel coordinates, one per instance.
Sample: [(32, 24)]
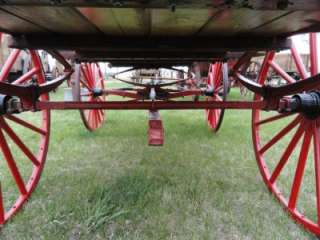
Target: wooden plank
[(103, 18), (154, 22), (111, 3), (55, 19), (310, 5), (119, 21), (182, 22), (191, 4), (290, 23), (12, 24), (238, 21)]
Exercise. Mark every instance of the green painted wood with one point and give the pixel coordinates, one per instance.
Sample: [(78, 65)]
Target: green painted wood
[(12, 24), (182, 22), (185, 22), (119, 21), (55, 19), (238, 21), (290, 23)]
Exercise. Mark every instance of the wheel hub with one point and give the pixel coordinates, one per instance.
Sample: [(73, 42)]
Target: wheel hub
[(9, 105), (306, 103)]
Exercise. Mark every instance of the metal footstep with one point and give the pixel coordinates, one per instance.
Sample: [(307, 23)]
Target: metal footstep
[(155, 132)]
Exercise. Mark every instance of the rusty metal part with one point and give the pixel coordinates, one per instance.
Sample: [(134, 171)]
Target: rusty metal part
[(31, 92), (269, 92)]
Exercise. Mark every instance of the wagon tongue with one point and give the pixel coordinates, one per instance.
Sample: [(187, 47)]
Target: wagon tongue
[(155, 132)]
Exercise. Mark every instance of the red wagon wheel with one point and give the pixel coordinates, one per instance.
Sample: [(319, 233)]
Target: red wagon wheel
[(24, 140), (91, 80), (217, 80), (287, 146)]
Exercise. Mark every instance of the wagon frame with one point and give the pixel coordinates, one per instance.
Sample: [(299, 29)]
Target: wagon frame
[(165, 34)]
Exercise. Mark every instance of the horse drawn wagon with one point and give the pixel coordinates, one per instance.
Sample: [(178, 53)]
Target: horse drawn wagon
[(163, 34)]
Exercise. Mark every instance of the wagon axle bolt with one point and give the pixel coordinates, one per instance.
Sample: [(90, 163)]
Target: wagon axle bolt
[(172, 6), (9, 105), (283, 4), (117, 3), (306, 103), (97, 92), (209, 92), (55, 2)]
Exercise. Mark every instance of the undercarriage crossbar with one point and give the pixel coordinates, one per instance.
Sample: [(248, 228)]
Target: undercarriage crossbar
[(150, 105)]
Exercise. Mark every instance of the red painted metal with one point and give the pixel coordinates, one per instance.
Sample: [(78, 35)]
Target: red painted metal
[(40, 135), (295, 137), (269, 92), (155, 131), (151, 105), (243, 61)]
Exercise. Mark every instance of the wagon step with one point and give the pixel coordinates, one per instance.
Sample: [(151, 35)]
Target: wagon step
[(155, 132)]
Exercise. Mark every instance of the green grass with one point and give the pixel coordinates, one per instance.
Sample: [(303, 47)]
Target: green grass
[(111, 185)]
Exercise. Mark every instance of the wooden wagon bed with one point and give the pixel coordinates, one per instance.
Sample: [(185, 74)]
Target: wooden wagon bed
[(157, 30)]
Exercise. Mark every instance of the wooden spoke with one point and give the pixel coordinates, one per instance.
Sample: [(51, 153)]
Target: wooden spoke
[(299, 63), (26, 124), (287, 153), (314, 54), (12, 165), (2, 212), (19, 142), (6, 68), (281, 72), (86, 85), (316, 149), (273, 118), (27, 76), (280, 135), (300, 169)]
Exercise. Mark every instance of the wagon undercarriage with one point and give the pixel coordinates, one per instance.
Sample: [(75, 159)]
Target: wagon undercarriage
[(216, 40)]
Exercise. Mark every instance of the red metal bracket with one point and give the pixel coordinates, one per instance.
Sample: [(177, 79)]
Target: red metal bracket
[(155, 132)]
